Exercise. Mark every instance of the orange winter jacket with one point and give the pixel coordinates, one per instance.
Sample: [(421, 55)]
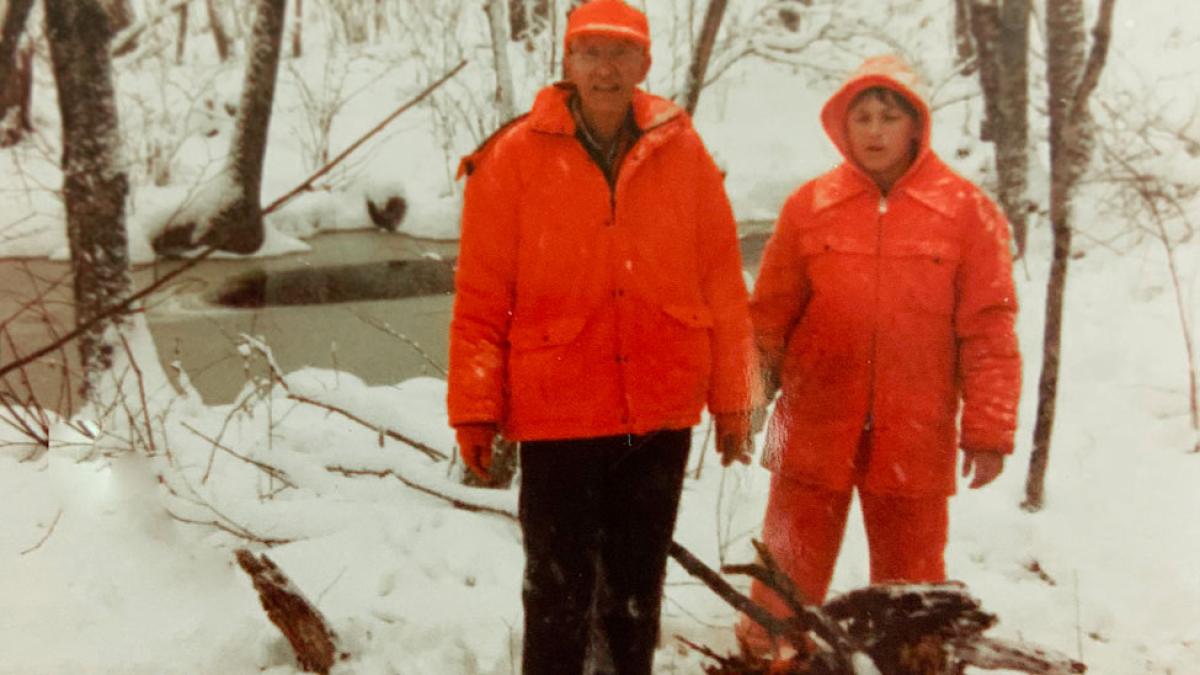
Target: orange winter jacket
[(587, 311), (879, 315)]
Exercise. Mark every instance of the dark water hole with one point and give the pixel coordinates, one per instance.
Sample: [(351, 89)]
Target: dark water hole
[(337, 283)]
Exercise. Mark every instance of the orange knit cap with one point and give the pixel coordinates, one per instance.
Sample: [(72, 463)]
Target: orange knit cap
[(611, 18)]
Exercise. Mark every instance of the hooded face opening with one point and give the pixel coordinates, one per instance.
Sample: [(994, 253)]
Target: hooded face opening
[(883, 134)]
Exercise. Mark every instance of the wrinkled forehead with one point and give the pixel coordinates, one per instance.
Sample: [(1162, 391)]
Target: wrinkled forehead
[(605, 43)]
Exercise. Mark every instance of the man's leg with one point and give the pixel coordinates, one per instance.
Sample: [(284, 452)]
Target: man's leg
[(802, 530), (559, 486), (907, 537), (642, 487)]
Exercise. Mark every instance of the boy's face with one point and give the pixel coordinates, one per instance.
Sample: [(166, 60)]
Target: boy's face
[(881, 137)]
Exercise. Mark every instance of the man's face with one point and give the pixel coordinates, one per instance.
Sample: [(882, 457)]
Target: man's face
[(605, 70)]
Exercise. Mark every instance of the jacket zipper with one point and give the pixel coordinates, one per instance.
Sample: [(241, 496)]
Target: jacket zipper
[(869, 422)]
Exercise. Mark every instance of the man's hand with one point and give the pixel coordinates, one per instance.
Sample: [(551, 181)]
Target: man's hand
[(734, 440), (475, 446), (987, 466)]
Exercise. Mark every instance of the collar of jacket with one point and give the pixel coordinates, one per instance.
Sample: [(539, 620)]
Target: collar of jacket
[(656, 118), (551, 112), (924, 182)]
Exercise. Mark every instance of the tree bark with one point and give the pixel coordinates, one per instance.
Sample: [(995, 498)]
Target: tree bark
[(964, 40), (704, 47), (16, 71), (313, 642), (94, 183), (1071, 80), (238, 228), (298, 30), (215, 24), (504, 82), (181, 38), (1000, 40), (120, 13)]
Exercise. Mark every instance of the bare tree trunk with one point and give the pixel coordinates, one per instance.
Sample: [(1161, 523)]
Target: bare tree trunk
[(1071, 81), (216, 25), (964, 41), (94, 183), (239, 227), (181, 38), (16, 72), (704, 47), (1012, 130), (120, 13), (298, 30), (504, 82), (1000, 39), (527, 19)]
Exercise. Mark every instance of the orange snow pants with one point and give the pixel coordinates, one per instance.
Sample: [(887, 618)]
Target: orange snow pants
[(803, 531)]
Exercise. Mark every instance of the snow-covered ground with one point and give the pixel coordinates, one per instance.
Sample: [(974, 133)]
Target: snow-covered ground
[(100, 574)]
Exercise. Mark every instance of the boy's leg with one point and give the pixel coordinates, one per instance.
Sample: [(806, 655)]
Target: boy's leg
[(802, 530), (907, 537)]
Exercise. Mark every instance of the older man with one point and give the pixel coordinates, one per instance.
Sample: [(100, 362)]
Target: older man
[(600, 307)]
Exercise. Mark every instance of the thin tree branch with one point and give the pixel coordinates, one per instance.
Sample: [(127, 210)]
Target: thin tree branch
[(49, 531), (1101, 37)]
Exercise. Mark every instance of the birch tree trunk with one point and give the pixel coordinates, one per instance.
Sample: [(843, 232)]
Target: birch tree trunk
[(239, 226), (16, 72), (1071, 80), (498, 24), (704, 47), (94, 183), (216, 25)]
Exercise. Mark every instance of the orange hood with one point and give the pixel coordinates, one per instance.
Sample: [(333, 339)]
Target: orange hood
[(878, 71)]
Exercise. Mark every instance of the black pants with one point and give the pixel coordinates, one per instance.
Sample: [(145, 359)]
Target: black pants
[(597, 516)]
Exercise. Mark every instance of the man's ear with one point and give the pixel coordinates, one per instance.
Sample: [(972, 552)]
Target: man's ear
[(645, 68)]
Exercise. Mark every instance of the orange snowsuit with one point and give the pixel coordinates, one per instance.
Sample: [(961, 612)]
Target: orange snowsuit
[(879, 317), (584, 310)]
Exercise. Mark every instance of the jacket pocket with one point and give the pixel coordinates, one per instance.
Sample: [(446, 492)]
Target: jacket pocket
[(928, 277), (551, 333), (693, 316)]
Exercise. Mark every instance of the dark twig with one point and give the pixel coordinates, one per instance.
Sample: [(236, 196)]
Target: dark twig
[(49, 531)]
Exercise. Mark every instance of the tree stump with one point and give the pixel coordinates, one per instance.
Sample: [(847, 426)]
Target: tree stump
[(301, 623)]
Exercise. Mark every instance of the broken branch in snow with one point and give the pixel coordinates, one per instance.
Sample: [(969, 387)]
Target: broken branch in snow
[(314, 643), (277, 376), (431, 452), (455, 502), (273, 472)]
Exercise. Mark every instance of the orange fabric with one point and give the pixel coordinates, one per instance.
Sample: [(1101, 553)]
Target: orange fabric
[(585, 311), (610, 18), (887, 313), (803, 532)]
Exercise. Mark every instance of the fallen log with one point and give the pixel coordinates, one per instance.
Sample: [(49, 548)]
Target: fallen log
[(314, 643)]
